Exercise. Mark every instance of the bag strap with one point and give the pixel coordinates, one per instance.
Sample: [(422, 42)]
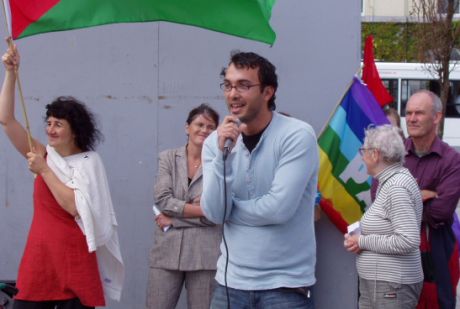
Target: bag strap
[(424, 238)]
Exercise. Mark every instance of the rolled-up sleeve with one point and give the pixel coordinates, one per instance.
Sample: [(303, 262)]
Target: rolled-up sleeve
[(163, 189)]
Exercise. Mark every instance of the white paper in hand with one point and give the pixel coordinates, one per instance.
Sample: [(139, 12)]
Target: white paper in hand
[(354, 229), (157, 212)]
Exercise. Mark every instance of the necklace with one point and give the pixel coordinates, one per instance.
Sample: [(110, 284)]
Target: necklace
[(195, 164), (192, 161)]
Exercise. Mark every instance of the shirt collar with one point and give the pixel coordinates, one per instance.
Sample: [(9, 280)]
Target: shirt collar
[(436, 146), (263, 132), (388, 172)]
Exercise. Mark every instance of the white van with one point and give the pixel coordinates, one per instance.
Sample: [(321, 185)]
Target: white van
[(403, 79)]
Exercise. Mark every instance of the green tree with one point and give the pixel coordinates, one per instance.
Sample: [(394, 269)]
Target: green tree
[(436, 35), (394, 42)]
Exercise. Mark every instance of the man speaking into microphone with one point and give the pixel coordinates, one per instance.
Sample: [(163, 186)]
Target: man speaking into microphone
[(259, 180)]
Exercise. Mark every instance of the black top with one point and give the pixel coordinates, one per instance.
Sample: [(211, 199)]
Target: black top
[(250, 141)]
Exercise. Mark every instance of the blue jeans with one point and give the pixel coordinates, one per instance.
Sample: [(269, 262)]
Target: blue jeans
[(263, 299)]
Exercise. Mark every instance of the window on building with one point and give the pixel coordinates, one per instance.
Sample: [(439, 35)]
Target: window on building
[(453, 102), (392, 87), (410, 86)]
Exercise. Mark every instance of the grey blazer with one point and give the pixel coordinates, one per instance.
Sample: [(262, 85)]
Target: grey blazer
[(192, 243)]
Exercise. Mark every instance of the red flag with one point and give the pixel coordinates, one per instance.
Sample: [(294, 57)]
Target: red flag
[(371, 76)]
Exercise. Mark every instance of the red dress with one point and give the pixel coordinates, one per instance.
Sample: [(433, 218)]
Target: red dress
[(56, 264)]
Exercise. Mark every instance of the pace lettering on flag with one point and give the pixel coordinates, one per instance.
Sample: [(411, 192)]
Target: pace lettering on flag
[(343, 180), (244, 18)]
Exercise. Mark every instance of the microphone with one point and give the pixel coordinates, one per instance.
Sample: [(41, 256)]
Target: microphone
[(228, 144)]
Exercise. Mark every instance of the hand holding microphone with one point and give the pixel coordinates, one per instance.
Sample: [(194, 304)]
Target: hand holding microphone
[(228, 133)]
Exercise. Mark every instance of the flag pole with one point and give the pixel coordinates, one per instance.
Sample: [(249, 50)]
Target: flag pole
[(18, 80), (337, 105)]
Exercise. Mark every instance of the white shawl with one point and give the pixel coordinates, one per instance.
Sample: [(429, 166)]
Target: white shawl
[(85, 173)]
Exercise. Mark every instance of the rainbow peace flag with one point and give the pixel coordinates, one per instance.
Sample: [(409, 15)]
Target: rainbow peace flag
[(343, 180)]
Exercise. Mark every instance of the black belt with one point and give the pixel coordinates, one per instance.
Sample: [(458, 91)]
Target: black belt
[(303, 290)]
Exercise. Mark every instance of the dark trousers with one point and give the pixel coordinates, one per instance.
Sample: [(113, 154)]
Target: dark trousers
[(55, 304), (441, 269)]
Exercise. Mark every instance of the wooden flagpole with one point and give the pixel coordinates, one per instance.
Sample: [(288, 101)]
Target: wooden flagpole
[(18, 80)]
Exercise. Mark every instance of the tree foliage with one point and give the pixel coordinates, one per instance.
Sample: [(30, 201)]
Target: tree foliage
[(429, 36), (394, 42), (436, 36)]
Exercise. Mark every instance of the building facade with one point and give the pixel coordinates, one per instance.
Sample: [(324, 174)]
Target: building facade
[(394, 10)]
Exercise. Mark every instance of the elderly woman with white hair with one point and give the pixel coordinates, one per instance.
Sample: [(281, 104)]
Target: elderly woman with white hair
[(388, 261)]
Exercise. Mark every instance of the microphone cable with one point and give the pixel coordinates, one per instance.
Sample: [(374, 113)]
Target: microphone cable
[(225, 154), (226, 151)]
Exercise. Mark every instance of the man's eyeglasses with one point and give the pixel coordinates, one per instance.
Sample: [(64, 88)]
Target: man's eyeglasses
[(362, 150), (227, 87)]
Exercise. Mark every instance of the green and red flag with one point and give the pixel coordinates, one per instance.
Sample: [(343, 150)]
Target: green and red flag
[(244, 18)]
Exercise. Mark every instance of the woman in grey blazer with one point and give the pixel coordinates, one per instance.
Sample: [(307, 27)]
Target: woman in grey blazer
[(187, 251)]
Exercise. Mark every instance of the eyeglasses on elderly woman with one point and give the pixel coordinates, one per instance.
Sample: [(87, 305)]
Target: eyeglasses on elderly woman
[(362, 150)]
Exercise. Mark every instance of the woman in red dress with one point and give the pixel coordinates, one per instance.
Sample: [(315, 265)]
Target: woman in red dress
[(57, 269)]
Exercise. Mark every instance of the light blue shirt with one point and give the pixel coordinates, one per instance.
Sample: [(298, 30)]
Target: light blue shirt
[(269, 225)]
